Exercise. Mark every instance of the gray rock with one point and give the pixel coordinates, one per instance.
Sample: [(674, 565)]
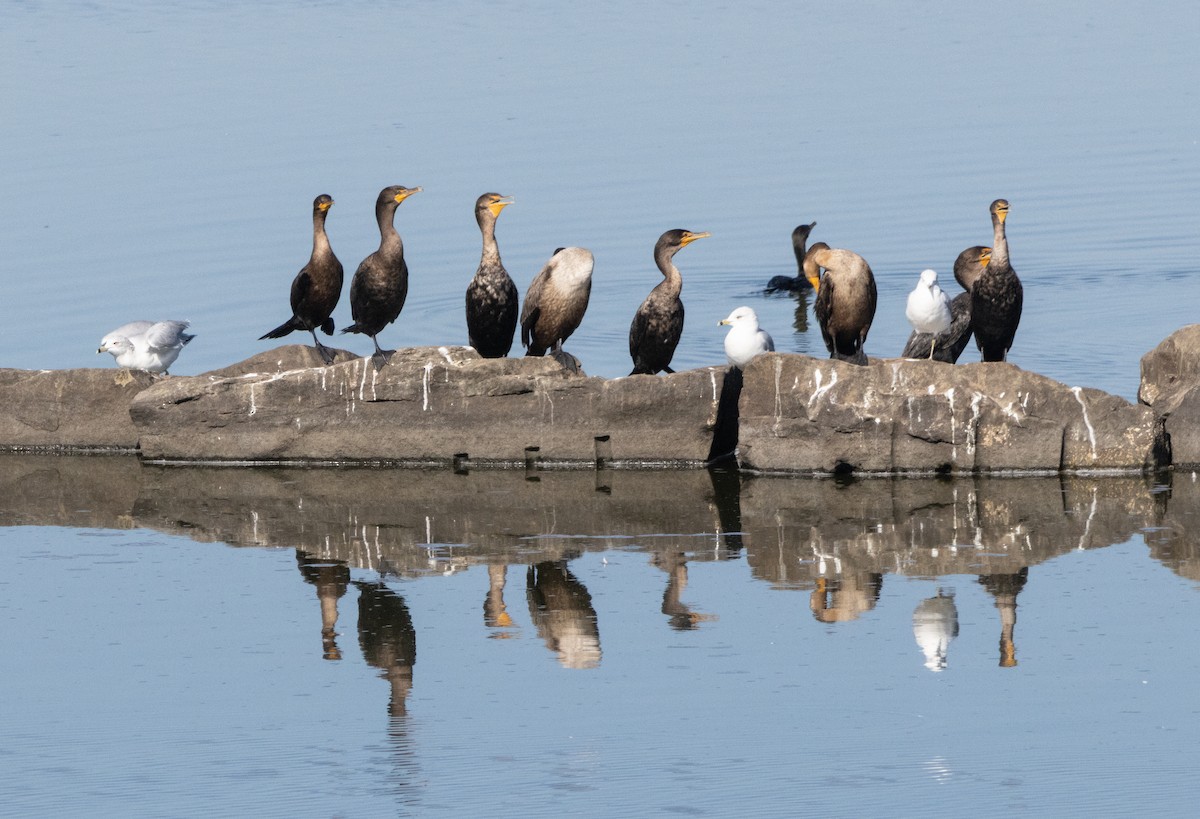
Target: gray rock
[(70, 410), (429, 405), (1171, 367), (1171, 386), (801, 414)]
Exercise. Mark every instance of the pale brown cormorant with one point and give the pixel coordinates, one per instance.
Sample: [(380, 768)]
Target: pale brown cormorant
[(555, 303), (380, 285), (793, 284), (996, 295), (492, 298), (949, 345), (846, 297), (317, 287), (658, 323)]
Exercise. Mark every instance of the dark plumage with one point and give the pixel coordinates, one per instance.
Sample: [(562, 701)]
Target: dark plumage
[(792, 284), (380, 284), (949, 345), (846, 297), (317, 287), (491, 296), (658, 323), (997, 295), (555, 303)]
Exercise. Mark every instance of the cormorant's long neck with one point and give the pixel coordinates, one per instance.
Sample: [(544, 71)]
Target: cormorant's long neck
[(389, 240), (673, 280), (320, 237), (999, 245), (491, 250), (798, 242)]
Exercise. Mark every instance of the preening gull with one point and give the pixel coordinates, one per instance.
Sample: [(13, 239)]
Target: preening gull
[(928, 307), (745, 338), (146, 345)]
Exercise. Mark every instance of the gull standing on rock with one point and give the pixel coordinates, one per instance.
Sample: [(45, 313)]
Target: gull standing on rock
[(152, 346), (745, 338), (928, 307)]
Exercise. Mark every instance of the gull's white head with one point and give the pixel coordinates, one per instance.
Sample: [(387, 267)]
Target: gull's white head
[(928, 278), (741, 317), (115, 344)]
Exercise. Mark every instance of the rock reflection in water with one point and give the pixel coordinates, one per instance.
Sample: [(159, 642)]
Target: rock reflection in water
[(835, 540), (561, 609)]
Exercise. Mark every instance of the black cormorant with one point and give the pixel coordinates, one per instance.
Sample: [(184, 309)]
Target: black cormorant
[(380, 284), (793, 283), (658, 323), (555, 303), (996, 295), (491, 296), (846, 297), (317, 287)]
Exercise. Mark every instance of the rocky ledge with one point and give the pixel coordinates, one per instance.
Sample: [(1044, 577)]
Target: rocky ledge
[(787, 413)]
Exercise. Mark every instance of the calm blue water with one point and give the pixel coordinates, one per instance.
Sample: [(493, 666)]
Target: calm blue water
[(161, 160), (987, 648)]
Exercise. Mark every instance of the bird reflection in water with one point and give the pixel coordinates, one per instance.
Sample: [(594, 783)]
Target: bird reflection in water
[(495, 612), (332, 578), (1004, 589), (845, 598), (935, 624), (561, 609), (679, 614), (388, 640)]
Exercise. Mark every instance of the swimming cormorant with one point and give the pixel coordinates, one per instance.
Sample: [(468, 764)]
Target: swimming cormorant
[(793, 283)]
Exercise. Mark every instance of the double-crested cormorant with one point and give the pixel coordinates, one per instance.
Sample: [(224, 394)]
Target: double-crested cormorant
[(793, 283), (491, 296), (996, 295), (658, 323), (928, 308), (380, 284), (745, 338), (846, 297), (949, 344), (152, 346), (555, 303), (317, 287)]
